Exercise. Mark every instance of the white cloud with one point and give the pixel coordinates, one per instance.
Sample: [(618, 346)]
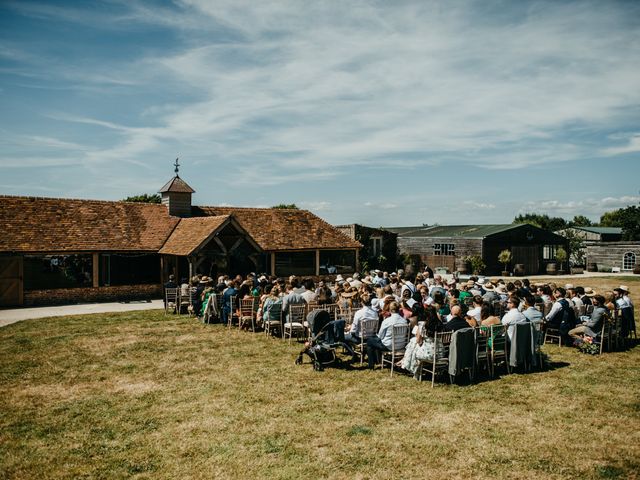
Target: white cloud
[(590, 207), (633, 145)]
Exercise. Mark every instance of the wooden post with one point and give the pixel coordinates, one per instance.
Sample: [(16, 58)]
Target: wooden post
[(317, 263), (96, 270), (190, 267), (357, 259), (273, 263)]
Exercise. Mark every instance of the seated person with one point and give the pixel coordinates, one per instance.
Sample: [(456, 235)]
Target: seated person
[(513, 316), (367, 312), (530, 312), (593, 325), (475, 312), (456, 322), (487, 318), (382, 342), (421, 346)]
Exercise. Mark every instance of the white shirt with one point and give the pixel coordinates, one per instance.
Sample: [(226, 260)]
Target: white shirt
[(511, 318), (475, 313), (365, 313), (386, 330)]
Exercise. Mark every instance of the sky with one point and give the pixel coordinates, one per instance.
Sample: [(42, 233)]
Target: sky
[(373, 112)]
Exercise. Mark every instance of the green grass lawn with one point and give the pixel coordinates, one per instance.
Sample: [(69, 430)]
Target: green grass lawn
[(148, 396)]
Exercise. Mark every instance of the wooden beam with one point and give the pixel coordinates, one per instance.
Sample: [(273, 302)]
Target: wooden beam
[(273, 263), (236, 244), (221, 245), (96, 270), (357, 259), (317, 262)]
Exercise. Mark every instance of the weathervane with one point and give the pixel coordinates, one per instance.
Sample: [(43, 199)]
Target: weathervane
[(177, 165)]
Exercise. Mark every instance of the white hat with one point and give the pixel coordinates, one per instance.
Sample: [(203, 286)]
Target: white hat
[(624, 288), (339, 278), (262, 279), (349, 279), (568, 286)]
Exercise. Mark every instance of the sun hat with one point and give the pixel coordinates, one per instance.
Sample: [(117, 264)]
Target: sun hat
[(589, 292), (568, 286), (339, 278), (488, 286), (624, 288)]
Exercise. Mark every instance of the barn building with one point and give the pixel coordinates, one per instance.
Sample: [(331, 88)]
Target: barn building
[(447, 246), (56, 250)]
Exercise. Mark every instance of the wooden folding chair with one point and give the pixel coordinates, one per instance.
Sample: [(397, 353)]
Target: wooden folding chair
[(368, 328), (399, 339), (247, 315), (171, 300), (499, 347), (440, 360), (295, 322)]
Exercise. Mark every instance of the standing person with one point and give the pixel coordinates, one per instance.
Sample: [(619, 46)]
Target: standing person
[(382, 342)]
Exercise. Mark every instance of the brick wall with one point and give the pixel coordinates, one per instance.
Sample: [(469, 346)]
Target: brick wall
[(63, 296)]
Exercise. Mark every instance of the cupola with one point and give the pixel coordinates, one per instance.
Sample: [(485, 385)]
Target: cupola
[(176, 195)]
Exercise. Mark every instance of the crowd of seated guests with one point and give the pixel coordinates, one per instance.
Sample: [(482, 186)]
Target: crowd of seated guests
[(427, 302)]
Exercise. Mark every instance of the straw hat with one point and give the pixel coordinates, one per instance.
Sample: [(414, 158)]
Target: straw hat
[(624, 288), (589, 292), (488, 286)]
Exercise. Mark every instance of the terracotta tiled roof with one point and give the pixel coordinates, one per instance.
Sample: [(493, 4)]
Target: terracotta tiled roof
[(283, 229), (30, 224), (176, 184), (191, 233)]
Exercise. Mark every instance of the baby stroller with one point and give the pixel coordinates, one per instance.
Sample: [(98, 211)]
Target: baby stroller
[(326, 337)]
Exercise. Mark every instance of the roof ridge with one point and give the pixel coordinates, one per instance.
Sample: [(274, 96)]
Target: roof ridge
[(253, 208), (68, 199)]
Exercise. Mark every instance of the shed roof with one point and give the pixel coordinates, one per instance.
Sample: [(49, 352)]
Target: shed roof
[(191, 233), (283, 229), (451, 231), (601, 230), (34, 224)]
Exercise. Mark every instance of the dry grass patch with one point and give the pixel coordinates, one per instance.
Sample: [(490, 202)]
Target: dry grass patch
[(147, 396)]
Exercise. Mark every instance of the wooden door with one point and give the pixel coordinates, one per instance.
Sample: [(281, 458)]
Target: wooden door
[(11, 281), (528, 256)]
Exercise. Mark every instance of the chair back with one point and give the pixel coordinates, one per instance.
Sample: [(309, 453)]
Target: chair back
[(368, 328), (275, 312), (399, 337), (332, 308), (247, 307), (297, 313), (498, 335), (547, 309), (171, 295), (441, 343)]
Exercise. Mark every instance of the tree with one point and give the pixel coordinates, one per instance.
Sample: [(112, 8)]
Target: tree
[(561, 256), (631, 223), (612, 219), (543, 221), (284, 206), (504, 258), (576, 246), (628, 218), (580, 221), (144, 198)]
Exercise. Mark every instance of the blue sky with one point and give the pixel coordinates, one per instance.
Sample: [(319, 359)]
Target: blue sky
[(380, 113)]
